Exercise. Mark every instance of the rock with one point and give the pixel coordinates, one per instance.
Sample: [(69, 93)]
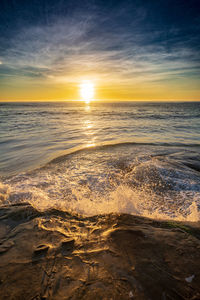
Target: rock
[(6, 246), (122, 257), (67, 246), (40, 251)]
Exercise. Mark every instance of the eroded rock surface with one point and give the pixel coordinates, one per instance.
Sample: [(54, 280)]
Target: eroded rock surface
[(56, 255)]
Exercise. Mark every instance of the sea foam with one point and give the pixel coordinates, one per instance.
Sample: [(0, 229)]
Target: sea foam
[(105, 181)]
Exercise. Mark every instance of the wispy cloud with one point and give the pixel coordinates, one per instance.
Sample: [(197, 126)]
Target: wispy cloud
[(90, 45)]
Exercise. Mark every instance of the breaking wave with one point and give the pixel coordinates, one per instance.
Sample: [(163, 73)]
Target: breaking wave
[(149, 180)]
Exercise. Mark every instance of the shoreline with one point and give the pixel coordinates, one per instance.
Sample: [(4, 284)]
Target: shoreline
[(58, 255)]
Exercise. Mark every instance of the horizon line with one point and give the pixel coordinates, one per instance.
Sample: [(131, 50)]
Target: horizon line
[(103, 100)]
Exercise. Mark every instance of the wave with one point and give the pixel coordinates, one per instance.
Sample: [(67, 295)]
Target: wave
[(146, 181), (107, 145)]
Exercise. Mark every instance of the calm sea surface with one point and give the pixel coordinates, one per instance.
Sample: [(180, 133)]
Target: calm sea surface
[(135, 157)]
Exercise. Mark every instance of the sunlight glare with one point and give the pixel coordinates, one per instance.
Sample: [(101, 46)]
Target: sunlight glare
[(87, 90)]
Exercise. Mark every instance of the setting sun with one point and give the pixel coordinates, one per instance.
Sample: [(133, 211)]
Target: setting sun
[(87, 90)]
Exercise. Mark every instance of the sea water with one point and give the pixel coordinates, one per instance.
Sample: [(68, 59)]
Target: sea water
[(139, 158)]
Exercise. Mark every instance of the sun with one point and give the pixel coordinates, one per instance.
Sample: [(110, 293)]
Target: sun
[(87, 90)]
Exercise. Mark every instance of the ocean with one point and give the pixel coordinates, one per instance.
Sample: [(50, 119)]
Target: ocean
[(139, 158)]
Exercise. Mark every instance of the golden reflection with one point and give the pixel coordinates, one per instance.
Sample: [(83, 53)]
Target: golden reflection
[(90, 145), (88, 128), (87, 106), (88, 124)]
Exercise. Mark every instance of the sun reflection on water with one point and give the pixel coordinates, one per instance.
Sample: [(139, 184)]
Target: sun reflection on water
[(88, 124), (87, 106), (89, 128)]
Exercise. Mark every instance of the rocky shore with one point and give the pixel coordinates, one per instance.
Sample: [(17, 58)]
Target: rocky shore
[(58, 255)]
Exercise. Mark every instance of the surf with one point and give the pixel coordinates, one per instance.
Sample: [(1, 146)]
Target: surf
[(155, 181)]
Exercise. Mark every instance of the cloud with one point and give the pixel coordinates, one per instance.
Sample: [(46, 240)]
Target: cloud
[(86, 45)]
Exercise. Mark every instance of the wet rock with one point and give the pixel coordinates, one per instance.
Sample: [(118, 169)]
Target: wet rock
[(122, 257), (40, 251), (6, 246), (67, 246)]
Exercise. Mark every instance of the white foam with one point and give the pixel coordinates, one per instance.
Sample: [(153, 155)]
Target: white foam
[(94, 185)]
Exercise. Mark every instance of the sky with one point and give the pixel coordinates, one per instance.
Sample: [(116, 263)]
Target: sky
[(129, 50)]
